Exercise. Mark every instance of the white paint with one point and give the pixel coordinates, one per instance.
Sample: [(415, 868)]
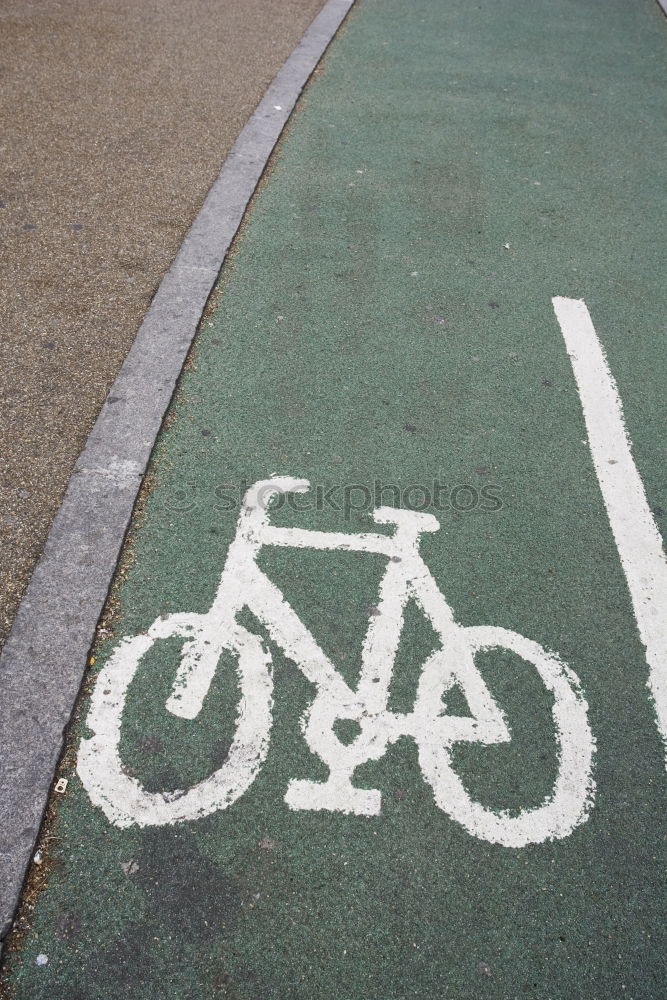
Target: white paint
[(406, 577), (119, 794), (637, 538)]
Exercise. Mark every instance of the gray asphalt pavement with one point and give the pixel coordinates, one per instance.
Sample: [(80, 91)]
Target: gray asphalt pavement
[(115, 120)]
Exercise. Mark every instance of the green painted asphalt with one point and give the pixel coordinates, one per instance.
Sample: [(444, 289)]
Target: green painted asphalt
[(387, 319)]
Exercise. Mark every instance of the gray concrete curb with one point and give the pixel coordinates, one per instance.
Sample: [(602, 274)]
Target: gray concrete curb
[(43, 662)]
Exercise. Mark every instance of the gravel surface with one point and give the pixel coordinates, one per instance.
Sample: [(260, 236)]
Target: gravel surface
[(114, 122)]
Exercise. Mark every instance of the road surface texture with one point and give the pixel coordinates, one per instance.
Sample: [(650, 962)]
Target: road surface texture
[(380, 760), (115, 120)]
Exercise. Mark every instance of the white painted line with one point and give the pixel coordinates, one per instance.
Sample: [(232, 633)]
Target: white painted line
[(638, 540)]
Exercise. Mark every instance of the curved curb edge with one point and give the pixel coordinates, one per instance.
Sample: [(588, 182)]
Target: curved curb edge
[(44, 659)]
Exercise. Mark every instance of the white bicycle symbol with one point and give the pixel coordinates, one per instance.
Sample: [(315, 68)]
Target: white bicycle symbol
[(243, 585)]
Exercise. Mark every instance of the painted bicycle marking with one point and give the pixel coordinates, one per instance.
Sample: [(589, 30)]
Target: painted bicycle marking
[(243, 585)]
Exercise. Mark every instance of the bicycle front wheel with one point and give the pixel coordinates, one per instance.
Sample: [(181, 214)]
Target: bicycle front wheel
[(569, 802)]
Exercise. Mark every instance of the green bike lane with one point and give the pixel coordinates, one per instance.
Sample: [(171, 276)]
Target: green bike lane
[(385, 329)]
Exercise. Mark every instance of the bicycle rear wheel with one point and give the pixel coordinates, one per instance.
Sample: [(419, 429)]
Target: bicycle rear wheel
[(120, 796)]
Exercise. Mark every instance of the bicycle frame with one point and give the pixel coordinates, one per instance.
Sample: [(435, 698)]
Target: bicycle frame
[(243, 584)]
